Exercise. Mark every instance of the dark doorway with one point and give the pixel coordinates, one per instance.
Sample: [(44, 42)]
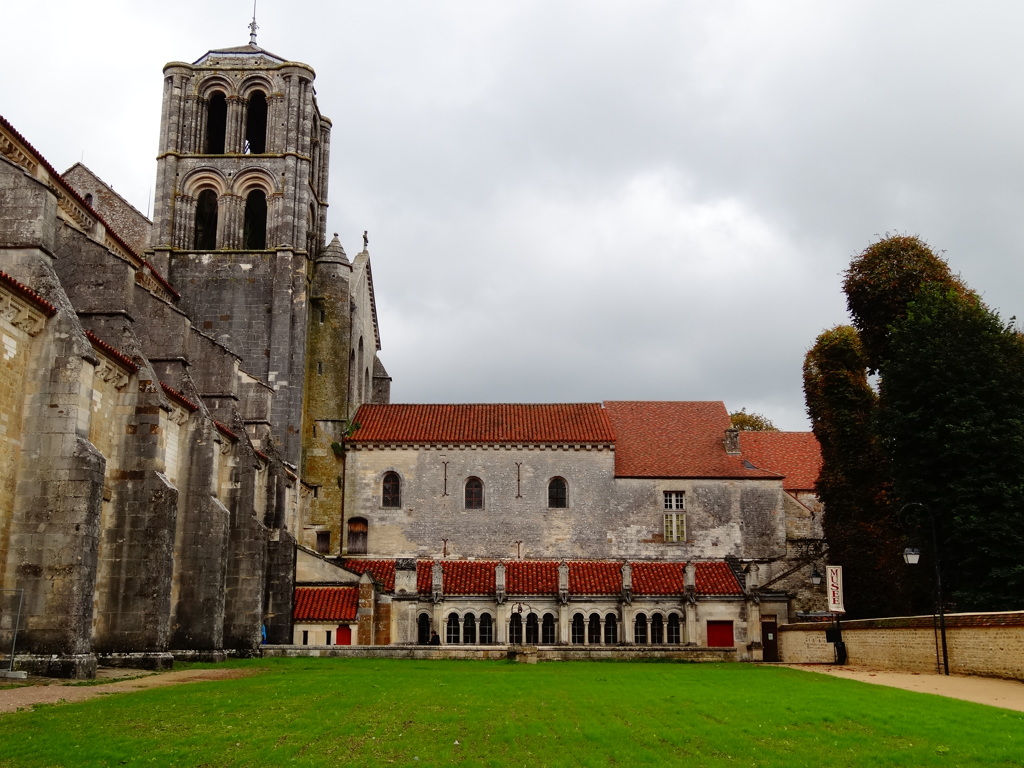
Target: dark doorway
[(357, 529), (770, 639)]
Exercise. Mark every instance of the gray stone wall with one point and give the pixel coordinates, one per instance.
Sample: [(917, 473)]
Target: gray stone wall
[(131, 225), (606, 517)]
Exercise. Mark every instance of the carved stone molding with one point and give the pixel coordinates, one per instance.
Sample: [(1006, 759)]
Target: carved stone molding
[(20, 314), (15, 154), (109, 372)]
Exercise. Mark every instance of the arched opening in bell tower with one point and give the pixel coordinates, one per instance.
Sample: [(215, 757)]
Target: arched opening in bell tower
[(254, 232), (206, 221), (217, 123), (256, 124)]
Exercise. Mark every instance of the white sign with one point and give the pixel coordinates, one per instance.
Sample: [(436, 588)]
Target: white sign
[(834, 583)]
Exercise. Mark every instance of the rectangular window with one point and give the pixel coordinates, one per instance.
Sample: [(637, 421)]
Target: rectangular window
[(675, 526), (328, 637), (674, 500)]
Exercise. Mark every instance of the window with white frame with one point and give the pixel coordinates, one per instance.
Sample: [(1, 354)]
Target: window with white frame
[(675, 526), (674, 502)]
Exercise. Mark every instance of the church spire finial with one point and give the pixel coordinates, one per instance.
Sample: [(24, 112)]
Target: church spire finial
[(253, 26)]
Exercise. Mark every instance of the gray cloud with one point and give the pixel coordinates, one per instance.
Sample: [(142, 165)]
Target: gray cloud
[(576, 201)]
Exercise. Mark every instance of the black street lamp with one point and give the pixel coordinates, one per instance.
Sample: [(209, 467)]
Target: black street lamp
[(912, 556)]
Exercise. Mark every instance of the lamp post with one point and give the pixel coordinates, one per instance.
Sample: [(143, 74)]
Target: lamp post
[(912, 556)]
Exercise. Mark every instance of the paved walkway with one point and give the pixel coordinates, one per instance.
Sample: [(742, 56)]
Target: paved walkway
[(1008, 694)]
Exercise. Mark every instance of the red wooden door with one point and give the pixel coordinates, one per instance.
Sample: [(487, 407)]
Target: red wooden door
[(720, 634), (344, 635)]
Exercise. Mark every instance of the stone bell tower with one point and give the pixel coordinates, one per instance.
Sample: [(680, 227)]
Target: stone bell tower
[(239, 218)]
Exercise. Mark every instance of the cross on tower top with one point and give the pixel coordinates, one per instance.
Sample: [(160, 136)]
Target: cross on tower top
[(253, 26)]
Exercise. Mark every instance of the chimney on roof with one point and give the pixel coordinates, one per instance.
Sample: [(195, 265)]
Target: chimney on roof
[(732, 441)]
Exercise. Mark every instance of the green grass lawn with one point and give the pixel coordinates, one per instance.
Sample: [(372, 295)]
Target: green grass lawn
[(341, 712)]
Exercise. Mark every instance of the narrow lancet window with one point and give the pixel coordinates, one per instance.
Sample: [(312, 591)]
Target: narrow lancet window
[(254, 234), (206, 221), (256, 125), (216, 123)]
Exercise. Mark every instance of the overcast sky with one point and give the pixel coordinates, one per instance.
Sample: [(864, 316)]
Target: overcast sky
[(586, 200)]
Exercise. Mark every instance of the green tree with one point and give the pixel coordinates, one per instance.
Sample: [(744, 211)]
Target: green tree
[(883, 280), (947, 426), (952, 393), (751, 422), (854, 485)]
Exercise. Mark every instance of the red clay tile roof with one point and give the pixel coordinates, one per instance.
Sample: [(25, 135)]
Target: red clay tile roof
[(540, 577), (381, 570), (27, 293), (112, 351), (796, 455), (532, 577), (326, 603), (659, 578), (595, 578), (716, 579), (674, 439), (181, 399), (557, 423)]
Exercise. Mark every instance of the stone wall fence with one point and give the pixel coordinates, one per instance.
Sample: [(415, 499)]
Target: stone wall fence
[(983, 644)]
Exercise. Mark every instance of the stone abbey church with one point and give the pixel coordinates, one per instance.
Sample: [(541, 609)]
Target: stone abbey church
[(198, 456)]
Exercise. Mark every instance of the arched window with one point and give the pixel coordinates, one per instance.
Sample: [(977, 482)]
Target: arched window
[(486, 629), (673, 628), (558, 494), (640, 629), (453, 629), (532, 629), (216, 123), (594, 629), (423, 629), (657, 629), (256, 124), (474, 493), (391, 497), (611, 629), (469, 629), (577, 629), (254, 231), (357, 529), (515, 629), (206, 221), (547, 632)]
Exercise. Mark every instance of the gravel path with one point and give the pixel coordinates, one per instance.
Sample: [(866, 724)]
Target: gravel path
[(1008, 694), (48, 691)]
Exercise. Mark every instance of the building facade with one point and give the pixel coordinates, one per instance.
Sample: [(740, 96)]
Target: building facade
[(171, 389), (594, 524)]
